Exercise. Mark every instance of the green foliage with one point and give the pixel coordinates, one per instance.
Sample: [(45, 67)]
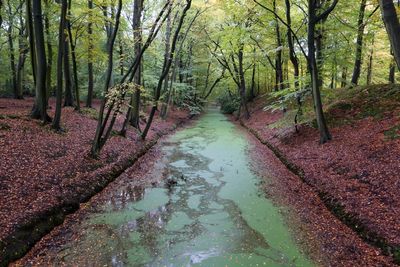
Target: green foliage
[(229, 103)]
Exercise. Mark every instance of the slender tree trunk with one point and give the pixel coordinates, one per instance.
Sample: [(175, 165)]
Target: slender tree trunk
[(121, 57), (370, 63), (90, 56), (167, 66), (99, 141), (22, 57), (359, 44), (1, 17), (243, 84), (392, 24), (392, 69), (61, 50), (344, 77), (292, 52), (39, 110), (12, 50), (133, 115), (31, 37), (68, 98), (313, 68), (166, 56), (73, 57), (49, 49), (278, 58)]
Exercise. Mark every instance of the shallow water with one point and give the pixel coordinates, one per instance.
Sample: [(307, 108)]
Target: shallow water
[(208, 212)]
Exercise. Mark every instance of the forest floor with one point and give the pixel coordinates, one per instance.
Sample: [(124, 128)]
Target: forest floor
[(43, 172), (356, 174)]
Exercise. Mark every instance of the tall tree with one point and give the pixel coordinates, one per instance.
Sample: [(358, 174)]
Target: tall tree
[(61, 44), (278, 57), (72, 44), (39, 110), (11, 48), (166, 68), (31, 36), (99, 141), (292, 52), (90, 55), (359, 43), (392, 24), (49, 47)]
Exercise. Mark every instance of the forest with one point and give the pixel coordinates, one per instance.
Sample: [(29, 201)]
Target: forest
[(115, 113)]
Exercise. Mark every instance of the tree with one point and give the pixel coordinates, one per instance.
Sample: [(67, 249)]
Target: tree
[(39, 110), (392, 24), (90, 55), (359, 43), (60, 56), (99, 141), (166, 68)]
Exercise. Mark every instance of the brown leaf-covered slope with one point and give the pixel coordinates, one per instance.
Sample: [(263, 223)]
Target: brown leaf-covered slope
[(360, 167), (39, 168)]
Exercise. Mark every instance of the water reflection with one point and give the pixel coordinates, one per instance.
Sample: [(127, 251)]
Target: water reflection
[(208, 211)]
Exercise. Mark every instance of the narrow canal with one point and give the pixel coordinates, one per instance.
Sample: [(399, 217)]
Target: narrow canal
[(208, 211)]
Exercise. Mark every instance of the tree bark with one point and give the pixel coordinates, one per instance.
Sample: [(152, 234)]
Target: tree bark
[(22, 57), (90, 56), (61, 44), (392, 26), (370, 63), (49, 49), (359, 43), (278, 57), (31, 37), (392, 69), (72, 43), (313, 69), (12, 50), (39, 110), (292, 52), (166, 68), (99, 141), (68, 98)]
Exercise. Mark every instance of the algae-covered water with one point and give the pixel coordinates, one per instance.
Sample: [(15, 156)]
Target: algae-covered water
[(209, 212)]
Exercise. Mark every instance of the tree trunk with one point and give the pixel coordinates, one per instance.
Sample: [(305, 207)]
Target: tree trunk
[(61, 49), (278, 58), (49, 50), (292, 52), (39, 110), (166, 68), (370, 63), (68, 98), (90, 56), (313, 68), (243, 84), (22, 57), (99, 141), (31, 37), (12, 50), (392, 69), (392, 26), (73, 57), (359, 44), (344, 77)]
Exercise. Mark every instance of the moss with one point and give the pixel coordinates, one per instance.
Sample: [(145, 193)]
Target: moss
[(90, 113), (4, 126), (393, 133)]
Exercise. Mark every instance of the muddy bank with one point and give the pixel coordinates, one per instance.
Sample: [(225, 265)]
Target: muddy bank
[(355, 175), (45, 175)]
